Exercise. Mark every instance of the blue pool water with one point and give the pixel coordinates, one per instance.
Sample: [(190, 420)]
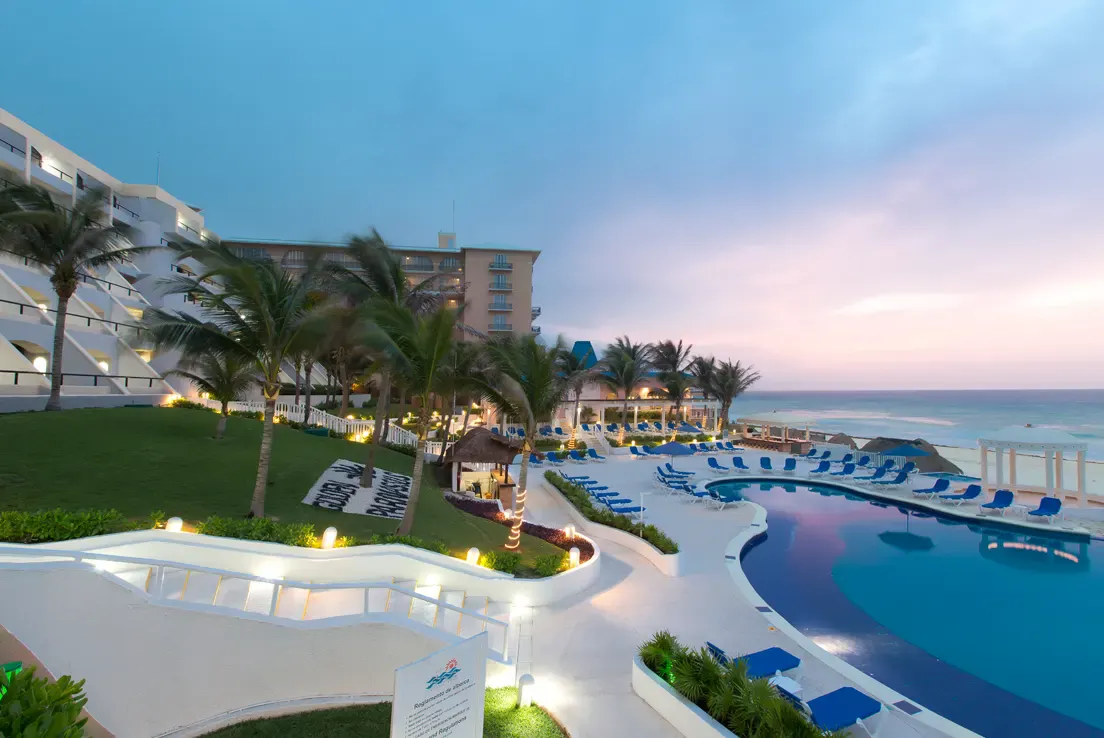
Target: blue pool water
[(995, 629)]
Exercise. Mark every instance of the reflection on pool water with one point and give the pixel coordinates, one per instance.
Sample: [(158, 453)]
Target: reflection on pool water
[(993, 627), (952, 477)]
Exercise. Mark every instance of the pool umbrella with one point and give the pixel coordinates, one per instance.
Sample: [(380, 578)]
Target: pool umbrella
[(672, 448), (907, 542), (906, 450), (687, 428)]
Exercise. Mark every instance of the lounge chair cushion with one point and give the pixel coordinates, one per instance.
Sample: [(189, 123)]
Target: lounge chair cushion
[(840, 709), (769, 661)]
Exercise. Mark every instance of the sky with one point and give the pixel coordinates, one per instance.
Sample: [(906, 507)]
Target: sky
[(863, 194)]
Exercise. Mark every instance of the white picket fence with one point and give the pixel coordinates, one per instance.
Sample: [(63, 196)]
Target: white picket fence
[(395, 432)]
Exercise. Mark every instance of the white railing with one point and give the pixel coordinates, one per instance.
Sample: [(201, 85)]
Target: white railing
[(359, 426), (254, 597)]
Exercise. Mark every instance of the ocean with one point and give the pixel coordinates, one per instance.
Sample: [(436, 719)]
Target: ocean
[(942, 417)]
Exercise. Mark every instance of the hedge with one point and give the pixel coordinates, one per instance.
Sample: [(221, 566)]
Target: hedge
[(578, 497)]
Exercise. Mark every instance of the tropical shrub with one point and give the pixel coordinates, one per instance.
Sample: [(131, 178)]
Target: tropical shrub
[(553, 444), (412, 541), (747, 707), (402, 448), (578, 497), (34, 706), (44, 526), (185, 403), (260, 529), (550, 565), (507, 561), (251, 414)]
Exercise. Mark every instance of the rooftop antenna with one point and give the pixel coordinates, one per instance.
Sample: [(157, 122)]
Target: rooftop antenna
[(454, 216), (158, 180)]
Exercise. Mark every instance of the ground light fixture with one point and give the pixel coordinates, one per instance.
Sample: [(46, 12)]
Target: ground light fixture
[(40, 364), (573, 556), (569, 531), (473, 556), (526, 686), (174, 525), (329, 537)]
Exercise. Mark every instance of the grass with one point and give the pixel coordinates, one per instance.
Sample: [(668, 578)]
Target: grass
[(140, 459), (502, 719)]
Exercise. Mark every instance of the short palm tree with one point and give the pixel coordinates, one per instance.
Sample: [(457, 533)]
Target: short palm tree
[(67, 243), (415, 348), (576, 374), (525, 383), (670, 361), (463, 374), (258, 314), (727, 381), (624, 367), (223, 377)]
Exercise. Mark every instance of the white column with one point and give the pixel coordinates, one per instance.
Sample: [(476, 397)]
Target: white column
[(1059, 477), (984, 469), (663, 417), (784, 433), (1048, 462), (454, 484), (636, 415), (1012, 469), (1082, 497), (806, 434), (999, 454), (27, 160)]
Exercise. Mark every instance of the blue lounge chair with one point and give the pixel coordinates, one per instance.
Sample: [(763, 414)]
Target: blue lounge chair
[(571, 478), (940, 486), (822, 468), (765, 463), (846, 471), (822, 457), (790, 466), (971, 493), (648, 450), (847, 459), (612, 427), (739, 465), (909, 467), (495, 431), (838, 710), (558, 431), (553, 459), (727, 445), (595, 456), (864, 461), (575, 456), (657, 426), (1049, 508), (636, 453), (535, 461), (901, 478), (878, 475), (1002, 500), (520, 433), (672, 470), (642, 427), (769, 662), (812, 452), (716, 467), (585, 427)]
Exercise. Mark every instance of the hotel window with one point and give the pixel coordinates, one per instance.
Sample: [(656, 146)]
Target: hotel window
[(499, 302), (499, 322), (450, 264), (253, 253), (295, 257), (500, 282), (418, 263)]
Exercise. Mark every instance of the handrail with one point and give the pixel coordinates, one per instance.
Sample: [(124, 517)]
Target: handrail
[(500, 327), (187, 227), (500, 306), (135, 215), (88, 319), (15, 149), (82, 276), (60, 174), (503, 265), (95, 377), (501, 285)]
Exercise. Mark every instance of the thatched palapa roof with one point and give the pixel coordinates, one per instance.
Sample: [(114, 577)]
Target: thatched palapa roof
[(931, 463), (842, 439), (480, 446)]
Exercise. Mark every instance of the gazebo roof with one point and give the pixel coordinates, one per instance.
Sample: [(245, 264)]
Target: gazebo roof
[(1031, 438), (480, 446), (776, 418)]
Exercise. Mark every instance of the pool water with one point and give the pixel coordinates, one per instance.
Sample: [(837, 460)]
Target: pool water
[(992, 627)]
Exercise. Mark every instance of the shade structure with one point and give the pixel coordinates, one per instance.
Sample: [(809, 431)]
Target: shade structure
[(687, 428), (672, 448), (906, 541), (906, 450), (479, 445)]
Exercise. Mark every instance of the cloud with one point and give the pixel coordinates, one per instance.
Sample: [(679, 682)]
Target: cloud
[(902, 303)]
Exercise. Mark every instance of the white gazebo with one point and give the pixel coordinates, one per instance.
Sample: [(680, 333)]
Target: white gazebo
[(1051, 444), (785, 421)]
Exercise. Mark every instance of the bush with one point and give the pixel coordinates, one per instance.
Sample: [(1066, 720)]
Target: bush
[(550, 565), (260, 529), (35, 706), (251, 414), (402, 448), (44, 526), (186, 404), (745, 706), (578, 497), (413, 541), (553, 444), (506, 561)]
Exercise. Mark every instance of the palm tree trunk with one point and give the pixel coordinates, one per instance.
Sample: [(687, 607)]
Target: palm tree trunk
[(346, 388), (574, 423), (377, 429), (220, 429), (722, 417), (256, 508), (514, 539), (298, 368), (624, 414), (307, 393), (467, 414), (407, 523), (54, 403)]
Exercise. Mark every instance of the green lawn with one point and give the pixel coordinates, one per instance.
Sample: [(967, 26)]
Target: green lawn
[(502, 719), (138, 460)]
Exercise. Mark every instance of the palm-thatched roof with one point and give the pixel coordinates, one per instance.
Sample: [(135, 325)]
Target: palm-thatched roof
[(933, 462), (842, 439), (480, 446)]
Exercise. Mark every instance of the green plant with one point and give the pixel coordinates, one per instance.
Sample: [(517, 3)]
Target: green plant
[(223, 378), (550, 565), (506, 561), (157, 519), (251, 414), (260, 529), (186, 404), (35, 707), (413, 541), (44, 526), (578, 497)]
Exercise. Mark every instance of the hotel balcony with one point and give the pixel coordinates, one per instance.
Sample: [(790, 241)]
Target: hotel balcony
[(12, 153), (535, 329), (49, 174), (501, 266), (500, 328), (501, 286), (534, 313), (420, 264), (500, 306), (125, 215)]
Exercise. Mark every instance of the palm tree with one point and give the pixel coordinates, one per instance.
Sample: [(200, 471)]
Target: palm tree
[(415, 348), (576, 375), (259, 316), (702, 369), (378, 276), (67, 243), (624, 367), (670, 361), (223, 377), (726, 382), (525, 383), (463, 372)]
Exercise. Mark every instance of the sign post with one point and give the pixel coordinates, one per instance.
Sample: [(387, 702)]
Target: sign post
[(441, 696)]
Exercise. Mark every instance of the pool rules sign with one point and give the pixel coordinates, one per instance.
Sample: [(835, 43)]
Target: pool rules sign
[(441, 696)]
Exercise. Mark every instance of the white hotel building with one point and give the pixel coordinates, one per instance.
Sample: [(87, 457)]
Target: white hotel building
[(107, 361)]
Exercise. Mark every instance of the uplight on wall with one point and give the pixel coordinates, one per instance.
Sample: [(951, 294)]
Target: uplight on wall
[(104, 365), (174, 525), (569, 531), (526, 686), (573, 556), (329, 537), (43, 306), (473, 556), (40, 363)]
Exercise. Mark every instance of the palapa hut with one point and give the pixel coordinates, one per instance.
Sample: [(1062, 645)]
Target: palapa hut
[(481, 465), (933, 462), (842, 439)]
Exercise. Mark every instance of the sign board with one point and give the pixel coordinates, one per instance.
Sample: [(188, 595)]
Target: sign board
[(441, 696), (339, 489)]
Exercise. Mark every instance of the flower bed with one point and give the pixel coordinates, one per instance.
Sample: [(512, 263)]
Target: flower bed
[(578, 497)]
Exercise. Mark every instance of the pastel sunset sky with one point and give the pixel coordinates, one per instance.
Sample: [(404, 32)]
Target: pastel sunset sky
[(859, 194)]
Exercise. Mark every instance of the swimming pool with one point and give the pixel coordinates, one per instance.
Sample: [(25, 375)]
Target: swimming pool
[(993, 628), (952, 477)]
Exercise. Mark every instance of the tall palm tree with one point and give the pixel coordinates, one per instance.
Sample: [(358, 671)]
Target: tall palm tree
[(377, 276), (463, 373), (576, 374), (67, 243), (702, 369), (624, 367), (671, 361), (525, 383), (224, 377), (726, 382), (259, 316), (415, 348)]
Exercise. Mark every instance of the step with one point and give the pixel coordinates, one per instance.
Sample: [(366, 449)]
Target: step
[(449, 620), (334, 603), (470, 626), (201, 588), (259, 597), (135, 576), (377, 599), (232, 593), (422, 611), (173, 583), (399, 603)]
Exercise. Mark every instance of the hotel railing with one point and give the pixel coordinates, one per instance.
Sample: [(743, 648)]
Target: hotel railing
[(82, 276), (188, 228), (500, 327), (502, 266), (500, 306), (133, 214), (14, 149), (501, 286), (60, 174), (127, 379), (116, 325)]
